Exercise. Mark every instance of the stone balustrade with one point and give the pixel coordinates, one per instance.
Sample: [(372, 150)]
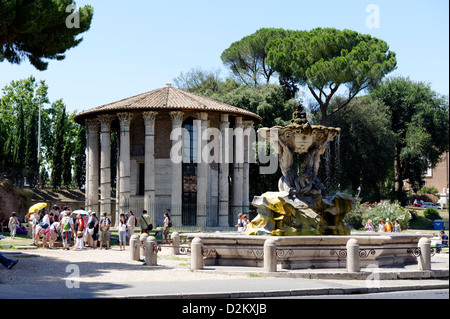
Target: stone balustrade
[(300, 252)]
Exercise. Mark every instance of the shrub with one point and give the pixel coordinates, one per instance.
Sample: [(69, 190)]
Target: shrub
[(431, 213), (354, 218), (428, 190), (382, 210), (418, 221)]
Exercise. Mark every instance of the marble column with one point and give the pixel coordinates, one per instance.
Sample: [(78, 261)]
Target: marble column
[(202, 171), (124, 161), (177, 176), (224, 196), (92, 162), (105, 164), (246, 168), (149, 183), (87, 187), (238, 169)]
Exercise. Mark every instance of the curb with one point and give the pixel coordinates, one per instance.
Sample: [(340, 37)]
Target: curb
[(343, 275), (286, 293)]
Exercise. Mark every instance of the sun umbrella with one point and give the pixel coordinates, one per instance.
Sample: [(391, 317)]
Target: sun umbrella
[(80, 211), (37, 206)]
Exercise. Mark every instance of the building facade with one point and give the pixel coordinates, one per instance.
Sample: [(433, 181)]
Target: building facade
[(164, 159), (438, 177)]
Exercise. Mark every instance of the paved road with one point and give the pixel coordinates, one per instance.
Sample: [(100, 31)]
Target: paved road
[(48, 274)]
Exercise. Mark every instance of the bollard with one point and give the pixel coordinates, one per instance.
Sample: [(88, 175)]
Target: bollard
[(197, 254), (270, 255), (134, 247), (151, 257), (424, 259), (175, 243), (353, 255), (142, 240)]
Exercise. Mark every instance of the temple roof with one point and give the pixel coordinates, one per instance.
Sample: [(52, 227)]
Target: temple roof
[(166, 98)]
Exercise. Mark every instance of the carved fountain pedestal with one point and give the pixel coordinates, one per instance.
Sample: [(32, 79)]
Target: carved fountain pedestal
[(299, 206)]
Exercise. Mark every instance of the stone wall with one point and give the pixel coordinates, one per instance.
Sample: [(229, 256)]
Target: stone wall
[(13, 199)]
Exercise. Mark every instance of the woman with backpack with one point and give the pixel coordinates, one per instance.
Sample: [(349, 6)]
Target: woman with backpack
[(67, 229)]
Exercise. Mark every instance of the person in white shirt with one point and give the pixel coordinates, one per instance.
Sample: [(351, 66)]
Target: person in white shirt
[(34, 220), (54, 228), (43, 229), (122, 232), (131, 223)]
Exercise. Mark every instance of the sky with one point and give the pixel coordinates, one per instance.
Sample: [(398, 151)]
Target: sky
[(136, 46)]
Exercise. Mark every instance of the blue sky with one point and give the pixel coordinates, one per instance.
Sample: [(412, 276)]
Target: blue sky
[(138, 46)]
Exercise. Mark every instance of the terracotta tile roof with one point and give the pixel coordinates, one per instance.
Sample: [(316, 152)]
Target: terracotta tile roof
[(168, 98)]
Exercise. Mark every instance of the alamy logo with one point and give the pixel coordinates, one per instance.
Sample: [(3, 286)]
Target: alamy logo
[(73, 20), (231, 145), (373, 19), (373, 279), (73, 279)]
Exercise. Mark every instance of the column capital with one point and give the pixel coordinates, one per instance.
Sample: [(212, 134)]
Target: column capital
[(202, 116), (105, 122), (224, 122), (149, 122), (248, 124), (149, 117), (224, 118), (177, 118), (92, 125), (125, 120), (238, 123)]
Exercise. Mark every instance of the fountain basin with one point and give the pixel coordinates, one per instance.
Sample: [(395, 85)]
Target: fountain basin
[(301, 252)]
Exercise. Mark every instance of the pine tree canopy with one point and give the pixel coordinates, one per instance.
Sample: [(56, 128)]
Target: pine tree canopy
[(38, 30)]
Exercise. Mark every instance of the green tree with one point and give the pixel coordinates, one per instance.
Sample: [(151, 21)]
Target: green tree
[(67, 163), (199, 81), (326, 60), (420, 119), (38, 30), (366, 150), (266, 100), (19, 151), (58, 147), (79, 166), (21, 96), (247, 58), (31, 149)]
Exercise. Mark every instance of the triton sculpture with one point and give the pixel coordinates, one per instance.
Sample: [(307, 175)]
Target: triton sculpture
[(300, 207)]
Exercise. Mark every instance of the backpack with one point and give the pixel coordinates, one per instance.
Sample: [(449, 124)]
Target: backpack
[(149, 226), (66, 223), (105, 223), (92, 223)]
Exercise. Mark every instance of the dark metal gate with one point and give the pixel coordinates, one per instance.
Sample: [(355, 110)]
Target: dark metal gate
[(189, 203)]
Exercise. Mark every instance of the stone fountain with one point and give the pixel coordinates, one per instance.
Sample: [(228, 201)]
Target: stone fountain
[(307, 223), (300, 206)]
